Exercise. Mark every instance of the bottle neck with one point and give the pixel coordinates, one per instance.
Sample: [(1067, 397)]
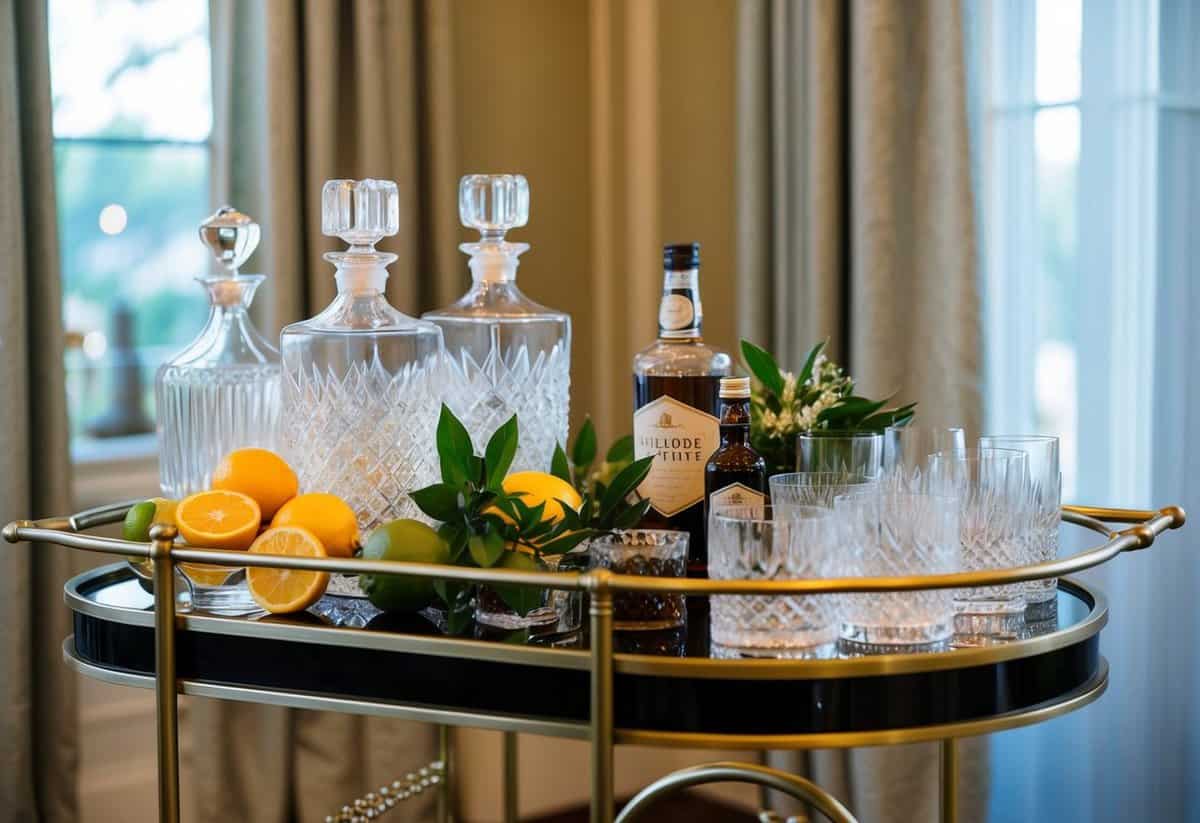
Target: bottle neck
[(361, 272), (679, 313), (735, 421), (494, 261)]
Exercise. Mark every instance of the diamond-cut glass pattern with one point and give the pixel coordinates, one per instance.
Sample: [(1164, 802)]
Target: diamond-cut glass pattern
[(368, 436), (536, 389)]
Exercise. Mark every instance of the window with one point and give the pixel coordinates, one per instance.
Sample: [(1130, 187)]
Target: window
[(1071, 105), (132, 118)]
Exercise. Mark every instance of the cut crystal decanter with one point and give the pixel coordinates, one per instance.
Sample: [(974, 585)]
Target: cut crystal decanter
[(506, 354), (361, 391), (219, 394), (222, 391)]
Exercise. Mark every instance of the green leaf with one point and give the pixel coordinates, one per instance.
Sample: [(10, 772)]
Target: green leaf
[(559, 467), (621, 450), (631, 516), (564, 544), (763, 366), (806, 372), (486, 549), (521, 599), (584, 451), (456, 535), (501, 449), (454, 449), (624, 483), (851, 408), (901, 416), (441, 501)]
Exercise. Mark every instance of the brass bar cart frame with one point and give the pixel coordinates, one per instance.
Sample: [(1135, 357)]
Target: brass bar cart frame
[(1143, 526)]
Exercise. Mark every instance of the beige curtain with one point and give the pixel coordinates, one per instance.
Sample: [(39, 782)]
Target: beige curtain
[(38, 745), (855, 222), (305, 92)]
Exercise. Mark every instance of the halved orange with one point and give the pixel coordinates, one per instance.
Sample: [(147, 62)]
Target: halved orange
[(280, 591), (218, 520)]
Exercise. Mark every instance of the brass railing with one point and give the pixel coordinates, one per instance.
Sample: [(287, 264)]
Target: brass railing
[(163, 553)]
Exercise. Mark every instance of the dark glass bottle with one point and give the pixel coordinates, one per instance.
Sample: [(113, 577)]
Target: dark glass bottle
[(735, 474), (676, 386)]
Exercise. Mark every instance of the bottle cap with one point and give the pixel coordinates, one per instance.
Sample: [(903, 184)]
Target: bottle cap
[(735, 387), (493, 203), (231, 236), (681, 256), (361, 212)]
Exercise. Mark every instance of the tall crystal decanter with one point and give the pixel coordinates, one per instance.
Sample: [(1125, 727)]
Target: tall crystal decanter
[(506, 354), (222, 391), (361, 392)]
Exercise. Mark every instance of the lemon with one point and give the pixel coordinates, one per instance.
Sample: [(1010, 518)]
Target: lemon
[(535, 488), (327, 516), (141, 516), (407, 540), (218, 520), (260, 474), (281, 591)]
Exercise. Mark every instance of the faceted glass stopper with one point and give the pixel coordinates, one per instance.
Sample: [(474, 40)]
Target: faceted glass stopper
[(231, 236), (493, 203), (361, 212)]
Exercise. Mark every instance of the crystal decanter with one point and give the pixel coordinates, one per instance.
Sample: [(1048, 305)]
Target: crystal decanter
[(361, 391), (222, 391), (506, 354), (219, 394)]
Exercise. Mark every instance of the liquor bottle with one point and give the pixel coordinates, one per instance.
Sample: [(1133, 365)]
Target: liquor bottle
[(506, 354), (735, 474), (362, 385), (676, 383)]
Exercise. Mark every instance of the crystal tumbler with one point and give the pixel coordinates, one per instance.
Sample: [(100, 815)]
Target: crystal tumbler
[(899, 534), (828, 450), (992, 488), (746, 546), (1045, 481), (906, 451), (651, 553)]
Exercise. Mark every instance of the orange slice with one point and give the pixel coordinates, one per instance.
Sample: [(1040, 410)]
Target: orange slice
[(218, 520), (280, 591)]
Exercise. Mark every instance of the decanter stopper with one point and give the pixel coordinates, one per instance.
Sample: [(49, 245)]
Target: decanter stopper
[(493, 203), (361, 212), (231, 236)]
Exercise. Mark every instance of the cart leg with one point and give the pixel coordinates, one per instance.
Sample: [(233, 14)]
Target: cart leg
[(512, 776), (949, 780), (602, 699), (165, 686), (445, 795)]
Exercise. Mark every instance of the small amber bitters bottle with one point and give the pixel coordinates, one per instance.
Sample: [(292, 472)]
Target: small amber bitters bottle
[(735, 474)]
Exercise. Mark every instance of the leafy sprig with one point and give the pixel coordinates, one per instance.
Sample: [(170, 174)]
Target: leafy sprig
[(819, 396), (605, 487), (485, 526)]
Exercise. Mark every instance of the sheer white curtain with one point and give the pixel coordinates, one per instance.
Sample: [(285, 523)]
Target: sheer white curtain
[(1090, 115)]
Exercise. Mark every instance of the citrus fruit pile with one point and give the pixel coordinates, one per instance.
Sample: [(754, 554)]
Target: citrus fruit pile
[(254, 505)]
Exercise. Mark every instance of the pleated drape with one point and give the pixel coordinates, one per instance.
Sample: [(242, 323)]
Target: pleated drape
[(305, 92), (856, 223), (39, 749)]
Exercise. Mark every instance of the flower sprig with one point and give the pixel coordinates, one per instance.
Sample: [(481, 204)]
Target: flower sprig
[(820, 396)]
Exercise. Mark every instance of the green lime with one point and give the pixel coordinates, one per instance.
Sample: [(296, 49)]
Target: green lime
[(406, 540), (142, 516)]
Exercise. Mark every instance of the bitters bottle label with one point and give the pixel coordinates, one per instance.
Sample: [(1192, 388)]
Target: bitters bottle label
[(681, 438), (741, 495)]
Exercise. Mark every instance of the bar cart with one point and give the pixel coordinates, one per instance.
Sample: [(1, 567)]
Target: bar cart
[(594, 689)]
